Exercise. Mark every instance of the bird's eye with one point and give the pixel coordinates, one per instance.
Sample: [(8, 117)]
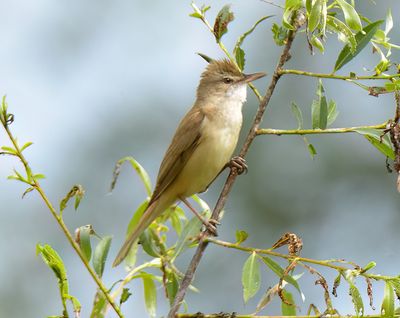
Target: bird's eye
[(227, 80)]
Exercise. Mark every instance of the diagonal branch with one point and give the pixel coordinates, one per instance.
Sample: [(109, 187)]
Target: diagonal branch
[(284, 57)]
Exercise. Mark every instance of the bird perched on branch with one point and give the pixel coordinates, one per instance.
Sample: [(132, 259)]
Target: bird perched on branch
[(202, 145)]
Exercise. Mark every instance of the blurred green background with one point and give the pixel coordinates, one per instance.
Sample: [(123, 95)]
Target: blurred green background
[(92, 81)]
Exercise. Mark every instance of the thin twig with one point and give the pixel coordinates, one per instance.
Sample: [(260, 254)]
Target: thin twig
[(278, 132), (326, 263), (232, 177), (63, 226), (219, 315), (340, 77)]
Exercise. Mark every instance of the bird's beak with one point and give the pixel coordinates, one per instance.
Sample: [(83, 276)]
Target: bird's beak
[(247, 78)]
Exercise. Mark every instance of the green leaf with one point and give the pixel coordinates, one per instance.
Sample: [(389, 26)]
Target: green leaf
[(148, 244), (290, 7), (298, 114), (280, 272), (150, 295), (83, 239), (362, 37), (224, 17), (100, 255), (343, 31), (55, 263), (239, 57), (139, 170), (172, 286), (316, 42), (387, 308), (356, 299), (76, 191), (9, 149), (288, 310), (369, 266), (26, 145), (30, 189), (250, 277), (319, 109), (315, 15), (350, 15), (332, 112), (374, 137), (279, 34), (124, 296), (191, 229), (241, 236), (311, 149), (99, 305), (175, 220)]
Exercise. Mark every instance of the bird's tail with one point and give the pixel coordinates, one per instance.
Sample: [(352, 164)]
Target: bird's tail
[(152, 212)]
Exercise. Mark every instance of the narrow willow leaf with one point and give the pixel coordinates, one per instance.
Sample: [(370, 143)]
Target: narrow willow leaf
[(124, 296), (9, 149), (374, 137), (239, 57), (99, 305), (362, 37), (172, 287), (191, 229), (83, 239), (311, 149), (350, 15), (280, 272), (100, 255), (148, 244), (30, 189), (76, 191), (150, 295), (319, 109), (55, 263), (175, 221), (291, 6), (268, 296), (343, 31), (205, 57), (387, 308), (224, 17), (139, 170), (26, 145), (250, 277), (279, 34), (298, 114), (369, 266), (315, 15), (241, 236), (316, 42), (332, 112), (288, 310), (357, 300)]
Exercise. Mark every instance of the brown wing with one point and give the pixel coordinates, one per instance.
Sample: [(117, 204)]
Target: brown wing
[(183, 144)]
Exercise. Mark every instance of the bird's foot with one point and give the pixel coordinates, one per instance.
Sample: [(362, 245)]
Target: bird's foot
[(239, 164)]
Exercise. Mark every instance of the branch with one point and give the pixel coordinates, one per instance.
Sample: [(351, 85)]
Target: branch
[(229, 315), (35, 184), (325, 263), (232, 176), (278, 132), (340, 77)]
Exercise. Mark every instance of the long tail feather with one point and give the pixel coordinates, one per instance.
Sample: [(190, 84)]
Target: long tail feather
[(151, 213)]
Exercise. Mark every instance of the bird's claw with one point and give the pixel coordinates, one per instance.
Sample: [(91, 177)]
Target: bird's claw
[(239, 164)]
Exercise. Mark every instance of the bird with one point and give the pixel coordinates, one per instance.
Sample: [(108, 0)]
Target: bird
[(202, 146)]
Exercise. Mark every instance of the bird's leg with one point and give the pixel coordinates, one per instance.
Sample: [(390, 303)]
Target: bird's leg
[(209, 224), (239, 164)]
